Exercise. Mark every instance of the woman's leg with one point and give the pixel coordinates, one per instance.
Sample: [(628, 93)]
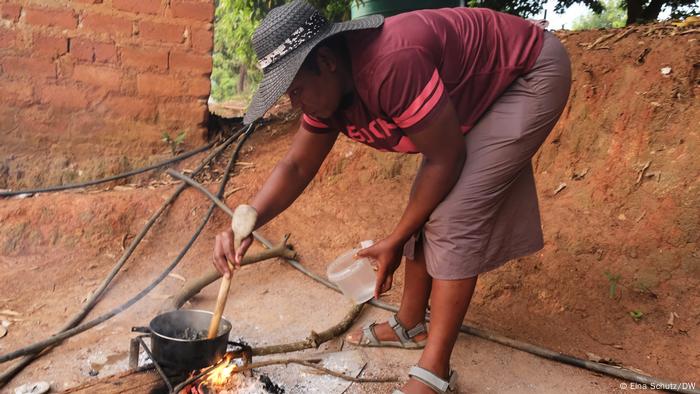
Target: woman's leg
[(448, 305), (416, 292)]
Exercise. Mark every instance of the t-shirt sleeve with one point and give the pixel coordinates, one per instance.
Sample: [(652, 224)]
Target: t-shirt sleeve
[(314, 125), (410, 89)]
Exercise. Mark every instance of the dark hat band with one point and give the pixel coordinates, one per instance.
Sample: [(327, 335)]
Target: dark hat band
[(314, 24)]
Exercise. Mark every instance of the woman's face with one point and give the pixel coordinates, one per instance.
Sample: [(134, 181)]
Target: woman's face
[(319, 93)]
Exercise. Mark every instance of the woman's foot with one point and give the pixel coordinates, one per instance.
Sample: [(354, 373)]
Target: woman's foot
[(416, 386), (386, 335)]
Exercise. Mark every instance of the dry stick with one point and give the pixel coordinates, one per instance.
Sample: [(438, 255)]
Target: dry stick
[(610, 370), (315, 339), (198, 186), (191, 288), (624, 34), (600, 40), (95, 296), (318, 367)]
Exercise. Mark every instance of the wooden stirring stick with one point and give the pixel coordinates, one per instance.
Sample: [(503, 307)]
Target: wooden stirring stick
[(220, 304), (242, 223)]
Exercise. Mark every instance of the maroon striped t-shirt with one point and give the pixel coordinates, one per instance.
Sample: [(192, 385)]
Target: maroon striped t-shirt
[(406, 71)]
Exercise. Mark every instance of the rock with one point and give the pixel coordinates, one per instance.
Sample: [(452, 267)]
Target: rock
[(33, 388)]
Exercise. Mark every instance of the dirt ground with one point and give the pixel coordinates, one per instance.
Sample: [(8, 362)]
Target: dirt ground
[(618, 182)]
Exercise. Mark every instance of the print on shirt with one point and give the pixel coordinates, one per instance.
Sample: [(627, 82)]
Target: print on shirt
[(384, 134)]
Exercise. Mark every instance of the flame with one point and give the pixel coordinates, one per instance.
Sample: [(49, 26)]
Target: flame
[(221, 374), (220, 378)]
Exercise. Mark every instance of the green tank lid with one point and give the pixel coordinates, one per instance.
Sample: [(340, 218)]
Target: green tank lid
[(362, 8)]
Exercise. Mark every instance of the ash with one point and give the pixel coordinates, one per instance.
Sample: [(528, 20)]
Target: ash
[(244, 385)]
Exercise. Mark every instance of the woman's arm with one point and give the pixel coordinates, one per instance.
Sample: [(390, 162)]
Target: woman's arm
[(287, 181), (442, 146), (292, 174)]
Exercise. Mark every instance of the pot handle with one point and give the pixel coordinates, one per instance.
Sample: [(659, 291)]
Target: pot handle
[(144, 330)]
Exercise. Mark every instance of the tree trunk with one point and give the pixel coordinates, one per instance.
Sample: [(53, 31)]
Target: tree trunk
[(651, 12), (634, 11), (242, 74)]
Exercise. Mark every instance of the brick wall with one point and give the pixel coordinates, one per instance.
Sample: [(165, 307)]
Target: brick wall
[(91, 85)]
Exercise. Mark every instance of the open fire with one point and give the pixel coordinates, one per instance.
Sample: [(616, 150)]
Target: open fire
[(221, 379)]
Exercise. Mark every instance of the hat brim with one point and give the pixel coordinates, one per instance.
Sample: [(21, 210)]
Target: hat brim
[(279, 76)]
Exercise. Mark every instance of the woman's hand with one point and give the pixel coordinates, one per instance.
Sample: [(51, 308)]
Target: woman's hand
[(224, 252), (387, 254)]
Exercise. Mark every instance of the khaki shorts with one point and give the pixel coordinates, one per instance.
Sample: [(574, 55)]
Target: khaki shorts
[(491, 215)]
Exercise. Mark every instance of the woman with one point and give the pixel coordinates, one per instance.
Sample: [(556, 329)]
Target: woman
[(475, 92)]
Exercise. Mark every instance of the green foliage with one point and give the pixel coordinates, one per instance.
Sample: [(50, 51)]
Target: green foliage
[(612, 281), (234, 21), (613, 16), (636, 315), (175, 144), (523, 8), (235, 72)]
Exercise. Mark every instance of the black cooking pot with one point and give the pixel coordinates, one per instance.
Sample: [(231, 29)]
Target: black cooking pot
[(173, 352)]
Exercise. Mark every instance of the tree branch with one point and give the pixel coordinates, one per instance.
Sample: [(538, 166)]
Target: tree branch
[(315, 339)]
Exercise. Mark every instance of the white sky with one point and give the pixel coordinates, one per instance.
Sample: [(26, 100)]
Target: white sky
[(567, 18)]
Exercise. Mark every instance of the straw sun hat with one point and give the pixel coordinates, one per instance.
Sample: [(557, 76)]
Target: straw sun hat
[(284, 38)]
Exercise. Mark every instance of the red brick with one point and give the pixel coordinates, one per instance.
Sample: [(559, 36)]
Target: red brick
[(199, 87), (196, 64), (10, 11), (82, 49), (138, 6), (132, 107), (89, 1), (103, 77), (58, 17), (160, 85), (184, 112), (28, 67), (7, 38), (202, 40), (143, 58), (105, 52), (114, 25), (202, 11), (17, 93), (50, 46), (164, 32), (88, 50), (67, 97)]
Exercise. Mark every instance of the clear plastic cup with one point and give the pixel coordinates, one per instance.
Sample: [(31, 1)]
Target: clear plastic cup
[(354, 276)]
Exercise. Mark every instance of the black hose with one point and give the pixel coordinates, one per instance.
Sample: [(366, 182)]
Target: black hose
[(110, 178), (39, 346), (8, 374)]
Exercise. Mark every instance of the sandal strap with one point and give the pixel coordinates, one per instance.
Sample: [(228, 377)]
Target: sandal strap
[(404, 334), (368, 335), (433, 381)]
